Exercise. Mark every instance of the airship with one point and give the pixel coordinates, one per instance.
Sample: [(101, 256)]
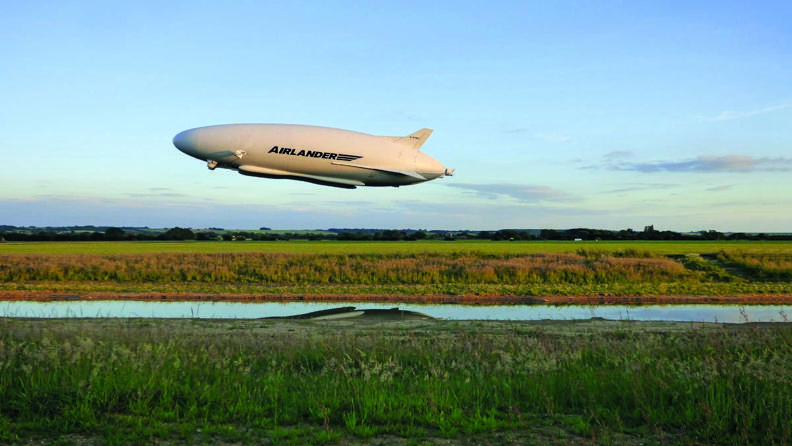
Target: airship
[(319, 155)]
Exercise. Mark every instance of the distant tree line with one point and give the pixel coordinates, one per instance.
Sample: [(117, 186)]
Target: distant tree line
[(82, 235), (180, 234), (650, 234)]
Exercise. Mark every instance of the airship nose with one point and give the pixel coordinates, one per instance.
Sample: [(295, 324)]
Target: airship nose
[(191, 143), (184, 142)]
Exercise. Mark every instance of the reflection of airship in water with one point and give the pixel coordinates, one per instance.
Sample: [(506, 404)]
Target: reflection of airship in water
[(320, 155)]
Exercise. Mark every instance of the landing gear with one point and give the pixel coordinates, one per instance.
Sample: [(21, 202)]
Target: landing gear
[(211, 164)]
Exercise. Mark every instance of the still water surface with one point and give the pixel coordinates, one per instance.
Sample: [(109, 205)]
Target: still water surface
[(251, 310)]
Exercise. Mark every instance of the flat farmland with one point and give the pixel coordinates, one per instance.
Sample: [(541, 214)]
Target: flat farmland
[(384, 247), (421, 271)]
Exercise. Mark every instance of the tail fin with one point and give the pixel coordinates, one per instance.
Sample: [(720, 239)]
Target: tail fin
[(414, 140)]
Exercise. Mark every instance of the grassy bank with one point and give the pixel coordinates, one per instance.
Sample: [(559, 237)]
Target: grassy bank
[(643, 269), (141, 381)]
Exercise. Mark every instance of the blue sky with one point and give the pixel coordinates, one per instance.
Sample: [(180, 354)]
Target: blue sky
[(602, 114)]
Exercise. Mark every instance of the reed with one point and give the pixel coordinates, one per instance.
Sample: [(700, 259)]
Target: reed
[(586, 271), (296, 269)]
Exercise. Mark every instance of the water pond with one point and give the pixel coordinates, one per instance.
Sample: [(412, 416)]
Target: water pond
[(252, 310)]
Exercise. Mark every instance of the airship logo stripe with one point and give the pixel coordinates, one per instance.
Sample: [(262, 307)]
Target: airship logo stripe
[(343, 157), (313, 154)]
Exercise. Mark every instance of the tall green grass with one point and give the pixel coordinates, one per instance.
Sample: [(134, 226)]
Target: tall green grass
[(206, 381), (757, 265)]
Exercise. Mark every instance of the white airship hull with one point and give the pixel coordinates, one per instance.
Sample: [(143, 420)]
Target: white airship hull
[(320, 155)]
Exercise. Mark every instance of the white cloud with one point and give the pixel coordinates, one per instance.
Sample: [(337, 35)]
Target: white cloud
[(617, 154), (707, 164), (521, 192), (730, 115), (720, 188), (637, 187)]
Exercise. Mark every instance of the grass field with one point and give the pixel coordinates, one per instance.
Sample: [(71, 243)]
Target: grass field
[(118, 381), (354, 247), (138, 381), (456, 268)]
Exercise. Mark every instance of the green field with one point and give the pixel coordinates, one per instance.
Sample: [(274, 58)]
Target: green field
[(420, 268), (119, 381), (384, 247)]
